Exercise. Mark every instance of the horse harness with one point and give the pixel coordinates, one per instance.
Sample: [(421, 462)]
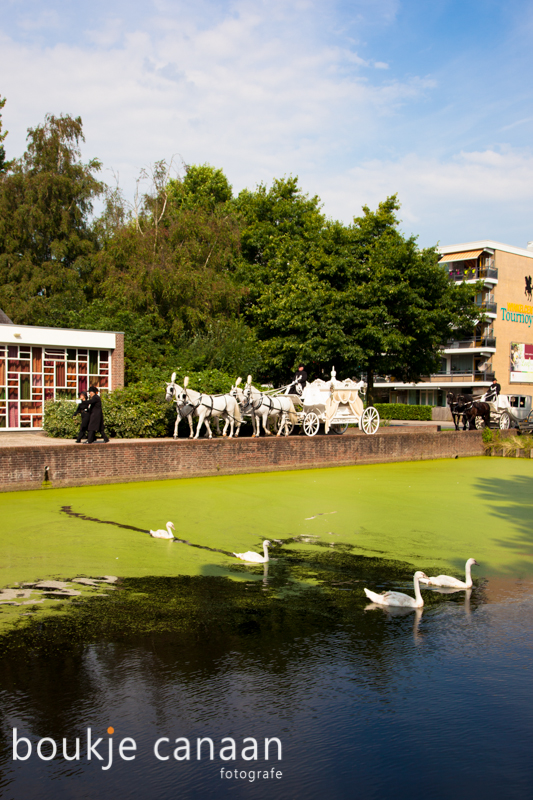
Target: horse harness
[(262, 400), (210, 408)]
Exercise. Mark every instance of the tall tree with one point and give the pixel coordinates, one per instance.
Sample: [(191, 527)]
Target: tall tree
[(46, 239), (282, 244), (361, 297), (404, 305)]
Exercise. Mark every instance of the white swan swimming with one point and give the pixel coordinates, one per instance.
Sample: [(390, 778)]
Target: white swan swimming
[(399, 599), (255, 558), (164, 534), (448, 582)]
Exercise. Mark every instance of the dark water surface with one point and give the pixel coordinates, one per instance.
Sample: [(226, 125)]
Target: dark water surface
[(184, 640), (366, 705)]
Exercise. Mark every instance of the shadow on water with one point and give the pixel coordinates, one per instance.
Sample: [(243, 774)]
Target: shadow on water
[(511, 501), (291, 651), (68, 510)]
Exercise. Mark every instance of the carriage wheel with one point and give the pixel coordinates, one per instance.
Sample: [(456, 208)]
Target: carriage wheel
[(339, 428), (479, 423), (505, 421), (311, 424), (289, 427), (370, 420)]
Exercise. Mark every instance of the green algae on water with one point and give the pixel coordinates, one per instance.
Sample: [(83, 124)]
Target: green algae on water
[(424, 515)]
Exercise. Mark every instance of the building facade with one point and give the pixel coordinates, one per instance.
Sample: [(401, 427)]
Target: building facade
[(501, 346), (39, 364)]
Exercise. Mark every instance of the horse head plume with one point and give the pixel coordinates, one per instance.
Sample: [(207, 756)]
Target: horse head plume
[(173, 377), (249, 380), (238, 381), (185, 381)]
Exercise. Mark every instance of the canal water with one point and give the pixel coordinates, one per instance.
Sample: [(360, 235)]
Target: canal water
[(188, 643)]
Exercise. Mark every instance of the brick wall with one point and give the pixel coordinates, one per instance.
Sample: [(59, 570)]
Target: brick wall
[(117, 363), (23, 467)]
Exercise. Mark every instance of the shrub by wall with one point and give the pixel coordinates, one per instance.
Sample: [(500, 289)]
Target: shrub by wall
[(506, 443), (403, 411), (135, 412)]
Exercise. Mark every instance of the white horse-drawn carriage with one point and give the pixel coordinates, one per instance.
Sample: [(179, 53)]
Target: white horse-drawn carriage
[(333, 403), (336, 405), (509, 411)]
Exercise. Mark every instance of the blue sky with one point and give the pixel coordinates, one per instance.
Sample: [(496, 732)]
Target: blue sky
[(359, 99)]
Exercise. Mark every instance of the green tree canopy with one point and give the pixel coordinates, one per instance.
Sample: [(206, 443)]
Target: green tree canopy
[(203, 186), (199, 279), (362, 298), (45, 233)]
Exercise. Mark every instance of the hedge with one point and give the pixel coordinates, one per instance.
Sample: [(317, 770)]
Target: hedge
[(403, 411)]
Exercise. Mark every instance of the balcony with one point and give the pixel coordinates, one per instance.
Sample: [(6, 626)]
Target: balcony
[(474, 274), (461, 377), (489, 306), (471, 342), (442, 377), (489, 273)]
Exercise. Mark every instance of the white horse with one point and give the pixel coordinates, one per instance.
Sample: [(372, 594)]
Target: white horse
[(174, 393), (264, 406), (207, 405)]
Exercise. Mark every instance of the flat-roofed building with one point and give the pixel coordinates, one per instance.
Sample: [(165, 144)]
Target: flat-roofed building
[(39, 364), (501, 346)]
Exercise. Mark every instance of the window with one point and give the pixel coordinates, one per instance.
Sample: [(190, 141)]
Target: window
[(462, 363), (31, 375)]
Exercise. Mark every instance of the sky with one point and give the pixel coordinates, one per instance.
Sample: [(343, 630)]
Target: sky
[(361, 100)]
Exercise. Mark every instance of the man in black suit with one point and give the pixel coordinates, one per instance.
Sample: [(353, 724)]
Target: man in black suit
[(84, 410), (299, 381), (493, 391), (96, 422)]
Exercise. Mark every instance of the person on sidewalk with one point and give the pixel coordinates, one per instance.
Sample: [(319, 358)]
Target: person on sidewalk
[(85, 412), (96, 422)]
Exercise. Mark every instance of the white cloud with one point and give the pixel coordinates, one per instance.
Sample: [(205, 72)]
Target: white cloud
[(256, 92), (263, 89), (474, 195)]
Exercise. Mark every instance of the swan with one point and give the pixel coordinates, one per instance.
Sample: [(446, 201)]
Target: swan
[(164, 534), (399, 599), (255, 557), (448, 582)]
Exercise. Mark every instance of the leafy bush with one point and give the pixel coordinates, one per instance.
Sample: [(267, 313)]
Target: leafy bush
[(58, 419), (403, 411), (136, 411)]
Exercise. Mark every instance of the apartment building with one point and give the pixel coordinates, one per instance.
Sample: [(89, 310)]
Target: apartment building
[(501, 346)]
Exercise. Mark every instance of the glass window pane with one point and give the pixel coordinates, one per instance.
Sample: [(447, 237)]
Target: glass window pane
[(93, 362)]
